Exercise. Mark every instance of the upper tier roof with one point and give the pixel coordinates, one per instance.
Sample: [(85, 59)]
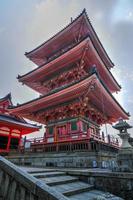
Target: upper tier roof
[(84, 48), (100, 93), (78, 29)]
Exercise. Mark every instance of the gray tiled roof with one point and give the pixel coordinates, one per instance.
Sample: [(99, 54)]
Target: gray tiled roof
[(17, 121)]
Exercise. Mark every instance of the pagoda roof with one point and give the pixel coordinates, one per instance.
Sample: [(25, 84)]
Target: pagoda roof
[(79, 26), (18, 123), (6, 98), (100, 97), (33, 78)]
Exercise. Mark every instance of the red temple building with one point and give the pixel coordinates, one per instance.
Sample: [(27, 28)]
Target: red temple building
[(12, 127), (75, 83)]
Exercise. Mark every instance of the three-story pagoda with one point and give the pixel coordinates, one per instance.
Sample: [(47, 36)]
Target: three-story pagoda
[(76, 85)]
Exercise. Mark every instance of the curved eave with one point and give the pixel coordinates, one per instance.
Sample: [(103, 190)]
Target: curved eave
[(118, 87), (25, 127), (92, 34), (32, 75), (72, 92), (126, 114), (21, 78)]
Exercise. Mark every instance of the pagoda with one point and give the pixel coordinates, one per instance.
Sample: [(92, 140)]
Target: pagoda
[(74, 79), (12, 127)]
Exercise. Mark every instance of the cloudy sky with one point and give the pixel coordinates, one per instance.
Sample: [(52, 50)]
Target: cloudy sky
[(24, 24)]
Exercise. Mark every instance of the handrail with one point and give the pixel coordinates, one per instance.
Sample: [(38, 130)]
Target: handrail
[(18, 184)]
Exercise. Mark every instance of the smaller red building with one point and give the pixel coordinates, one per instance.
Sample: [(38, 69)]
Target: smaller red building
[(12, 127)]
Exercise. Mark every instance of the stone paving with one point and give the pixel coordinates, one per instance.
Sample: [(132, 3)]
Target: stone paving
[(70, 186)]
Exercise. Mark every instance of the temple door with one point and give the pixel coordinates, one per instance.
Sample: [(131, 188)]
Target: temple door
[(60, 132)]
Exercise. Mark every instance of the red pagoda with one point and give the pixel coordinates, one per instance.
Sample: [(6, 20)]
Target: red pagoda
[(76, 85), (12, 127)]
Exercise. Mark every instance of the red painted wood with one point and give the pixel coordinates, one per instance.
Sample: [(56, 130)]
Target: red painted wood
[(4, 103)]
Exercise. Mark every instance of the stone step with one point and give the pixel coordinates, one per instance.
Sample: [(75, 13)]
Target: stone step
[(69, 185), (57, 180), (48, 174), (94, 194), (32, 170), (41, 171), (69, 189)]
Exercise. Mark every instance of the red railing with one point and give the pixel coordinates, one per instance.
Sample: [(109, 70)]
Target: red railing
[(41, 141), (75, 140)]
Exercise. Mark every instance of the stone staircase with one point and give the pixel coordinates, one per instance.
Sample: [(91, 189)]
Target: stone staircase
[(69, 186), (17, 184)]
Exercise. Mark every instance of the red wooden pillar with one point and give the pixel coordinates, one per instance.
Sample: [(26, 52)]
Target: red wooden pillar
[(9, 140), (88, 133), (56, 138), (56, 134), (80, 125), (20, 140)]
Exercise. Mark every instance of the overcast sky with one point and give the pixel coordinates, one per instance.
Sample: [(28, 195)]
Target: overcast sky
[(24, 24)]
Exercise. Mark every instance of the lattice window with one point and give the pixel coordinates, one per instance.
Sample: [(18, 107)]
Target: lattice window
[(74, 126), (51, 130)]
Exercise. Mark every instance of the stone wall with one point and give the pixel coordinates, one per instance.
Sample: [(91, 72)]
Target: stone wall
[(117, 183), (77, 159)]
